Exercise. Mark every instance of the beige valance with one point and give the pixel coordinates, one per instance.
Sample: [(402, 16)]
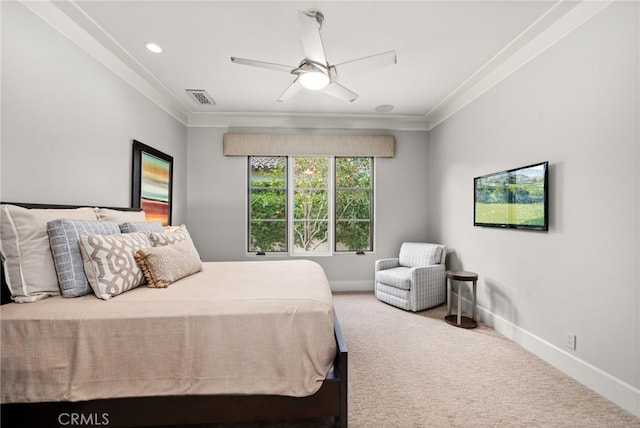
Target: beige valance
[(308, 145)]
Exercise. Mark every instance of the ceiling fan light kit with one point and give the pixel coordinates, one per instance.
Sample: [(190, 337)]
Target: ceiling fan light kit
[(314, 80), (314, 72), (312, 76)]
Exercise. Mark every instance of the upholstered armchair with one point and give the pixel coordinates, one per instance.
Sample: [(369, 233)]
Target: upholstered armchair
[(415, 280)]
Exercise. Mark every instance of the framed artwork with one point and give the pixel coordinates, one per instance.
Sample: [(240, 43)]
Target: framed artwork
[(152, 182)]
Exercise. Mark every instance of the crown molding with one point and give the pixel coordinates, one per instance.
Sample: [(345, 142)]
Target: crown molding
[(560, 20)]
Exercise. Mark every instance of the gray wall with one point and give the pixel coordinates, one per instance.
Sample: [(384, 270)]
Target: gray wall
[(68, 122), (217, 203), (576, 105)]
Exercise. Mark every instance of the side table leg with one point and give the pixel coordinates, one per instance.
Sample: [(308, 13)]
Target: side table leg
[(459, 304), (449, 297), (474, 300)]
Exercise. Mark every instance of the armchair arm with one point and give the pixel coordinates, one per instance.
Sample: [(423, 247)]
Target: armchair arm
[(428, 274), (429, 286), (383, 264)]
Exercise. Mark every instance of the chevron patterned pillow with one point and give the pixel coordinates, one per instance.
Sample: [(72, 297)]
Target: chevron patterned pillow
[(109, 262)]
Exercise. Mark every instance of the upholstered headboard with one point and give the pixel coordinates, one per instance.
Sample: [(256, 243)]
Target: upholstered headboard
[(5, 295)]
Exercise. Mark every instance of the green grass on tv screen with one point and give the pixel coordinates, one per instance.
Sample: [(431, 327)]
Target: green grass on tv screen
[(518, 214)]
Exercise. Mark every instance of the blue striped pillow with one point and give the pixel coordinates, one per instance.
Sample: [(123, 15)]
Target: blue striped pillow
[(64, 235), (141, 226)]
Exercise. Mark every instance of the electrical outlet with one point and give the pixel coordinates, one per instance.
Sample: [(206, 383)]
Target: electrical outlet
[(570, 340)]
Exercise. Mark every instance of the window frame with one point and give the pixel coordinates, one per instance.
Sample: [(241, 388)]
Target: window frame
[(331, 189), (371, 191), (248, 221), (291, 207)]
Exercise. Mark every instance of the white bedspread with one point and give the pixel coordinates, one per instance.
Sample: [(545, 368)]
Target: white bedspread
[(262, 327)]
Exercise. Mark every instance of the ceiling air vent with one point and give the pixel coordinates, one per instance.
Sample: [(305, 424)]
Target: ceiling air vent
[(201, 97)]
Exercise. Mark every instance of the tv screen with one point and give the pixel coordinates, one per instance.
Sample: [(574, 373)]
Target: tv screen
[(517, 198)]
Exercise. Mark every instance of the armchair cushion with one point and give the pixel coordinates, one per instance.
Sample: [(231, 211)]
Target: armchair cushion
[(414, 254), (399, 277)]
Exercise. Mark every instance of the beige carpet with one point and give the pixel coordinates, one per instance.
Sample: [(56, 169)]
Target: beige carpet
[(415, 370)]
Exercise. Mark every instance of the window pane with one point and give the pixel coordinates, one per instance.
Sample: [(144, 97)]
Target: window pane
[(311, 236), (311, 204), (267, 204), (353, 172), (353, 202), (353, 236), (268, 236)]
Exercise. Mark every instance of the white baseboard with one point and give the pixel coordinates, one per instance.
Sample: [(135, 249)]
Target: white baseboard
[(351, 285), (615, 390)]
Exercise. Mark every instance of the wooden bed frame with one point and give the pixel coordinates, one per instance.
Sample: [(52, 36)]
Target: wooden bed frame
[(330, 401)]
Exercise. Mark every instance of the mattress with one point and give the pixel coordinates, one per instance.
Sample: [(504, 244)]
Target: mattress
[(263, 327)]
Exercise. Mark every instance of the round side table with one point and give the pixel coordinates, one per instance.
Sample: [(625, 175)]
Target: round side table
[(460, 320)]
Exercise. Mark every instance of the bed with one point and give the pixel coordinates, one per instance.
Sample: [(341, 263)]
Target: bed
[(266, 350)]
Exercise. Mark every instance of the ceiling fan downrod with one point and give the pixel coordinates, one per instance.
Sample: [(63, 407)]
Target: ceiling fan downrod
[(317, 15)]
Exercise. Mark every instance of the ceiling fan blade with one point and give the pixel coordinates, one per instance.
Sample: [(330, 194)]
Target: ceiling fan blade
[(363, 65), (293, 89), (339, 91), (262, 64), (311, 41)]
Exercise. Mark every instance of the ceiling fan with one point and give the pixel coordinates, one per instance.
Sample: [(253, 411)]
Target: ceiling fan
[(314, 72)]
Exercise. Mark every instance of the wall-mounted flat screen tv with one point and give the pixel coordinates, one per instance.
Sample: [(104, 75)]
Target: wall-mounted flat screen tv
[(517, 198)]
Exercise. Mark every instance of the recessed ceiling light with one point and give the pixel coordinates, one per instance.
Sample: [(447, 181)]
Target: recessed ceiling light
[(384, 108), (153, 47)]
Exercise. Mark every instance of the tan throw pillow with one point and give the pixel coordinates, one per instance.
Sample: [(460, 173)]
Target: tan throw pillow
[(109, 263), (148, 270), (26, 254), (166, 264)]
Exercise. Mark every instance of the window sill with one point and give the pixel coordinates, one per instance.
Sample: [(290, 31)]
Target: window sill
[(298, 255)]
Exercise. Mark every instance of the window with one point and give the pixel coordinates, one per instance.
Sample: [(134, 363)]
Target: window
[(354, 204), (310, 205), (267, 204)]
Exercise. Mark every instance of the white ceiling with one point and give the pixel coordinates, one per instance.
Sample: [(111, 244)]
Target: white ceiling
[(443, 48)]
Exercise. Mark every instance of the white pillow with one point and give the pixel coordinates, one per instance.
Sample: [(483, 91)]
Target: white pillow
[(109, 263), (26, 255), (118, 216)]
